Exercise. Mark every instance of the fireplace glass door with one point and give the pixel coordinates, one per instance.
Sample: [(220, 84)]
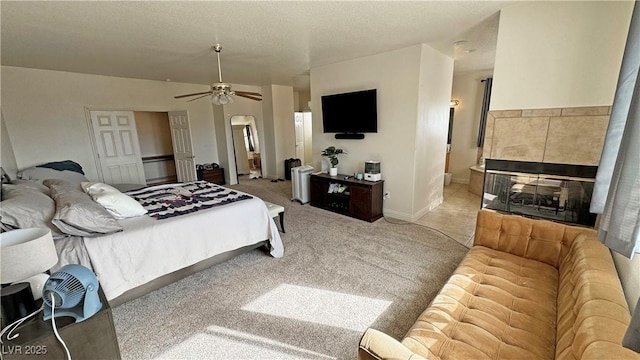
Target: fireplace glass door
[(559, 198)]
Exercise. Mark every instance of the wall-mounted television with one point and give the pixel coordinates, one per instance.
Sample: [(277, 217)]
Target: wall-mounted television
[(350, 113)]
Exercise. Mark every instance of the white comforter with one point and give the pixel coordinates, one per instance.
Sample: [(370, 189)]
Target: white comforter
[(149, 248)]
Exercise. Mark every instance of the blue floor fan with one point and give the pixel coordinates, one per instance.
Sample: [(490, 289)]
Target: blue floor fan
[(75, 290)]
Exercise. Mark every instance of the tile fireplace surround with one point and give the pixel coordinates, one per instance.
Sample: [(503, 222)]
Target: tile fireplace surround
[(561, 135), (532, 154)]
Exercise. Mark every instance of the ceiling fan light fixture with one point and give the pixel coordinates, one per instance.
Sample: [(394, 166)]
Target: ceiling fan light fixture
[(221, 93)]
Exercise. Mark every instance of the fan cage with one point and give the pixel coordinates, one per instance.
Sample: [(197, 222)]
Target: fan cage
[(68, 291)]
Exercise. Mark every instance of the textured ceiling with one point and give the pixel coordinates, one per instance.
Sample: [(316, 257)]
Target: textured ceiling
[(264, 42)]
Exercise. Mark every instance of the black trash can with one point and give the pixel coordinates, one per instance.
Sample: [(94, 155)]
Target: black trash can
[(288, 164)]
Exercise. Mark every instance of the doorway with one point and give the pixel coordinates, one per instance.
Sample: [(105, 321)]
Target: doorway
[(246, 145), (303, 125), (142, 147), (156, 147)]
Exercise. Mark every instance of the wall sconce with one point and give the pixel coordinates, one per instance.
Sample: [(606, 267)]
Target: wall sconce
[(454, 102)]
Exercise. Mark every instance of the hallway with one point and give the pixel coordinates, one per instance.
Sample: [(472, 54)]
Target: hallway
[(456, 216)]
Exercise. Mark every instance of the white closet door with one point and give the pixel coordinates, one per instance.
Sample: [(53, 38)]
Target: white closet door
[(118, 148), (182, 146), (299, 133)]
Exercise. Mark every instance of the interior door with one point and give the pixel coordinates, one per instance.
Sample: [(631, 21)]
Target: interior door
[(299, 133), (182, 146), (118, 148)]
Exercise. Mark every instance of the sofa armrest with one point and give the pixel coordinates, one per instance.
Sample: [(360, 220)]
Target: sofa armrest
[(607, 350), (376, 345)]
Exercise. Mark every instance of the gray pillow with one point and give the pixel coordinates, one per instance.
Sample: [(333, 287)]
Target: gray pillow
[(24, 184), (76, 213), (26, 206), (40, 174)]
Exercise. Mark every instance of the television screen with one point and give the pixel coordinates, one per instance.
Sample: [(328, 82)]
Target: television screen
[(354, 112)]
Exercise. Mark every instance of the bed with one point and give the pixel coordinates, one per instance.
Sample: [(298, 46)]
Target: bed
[(152, 250)]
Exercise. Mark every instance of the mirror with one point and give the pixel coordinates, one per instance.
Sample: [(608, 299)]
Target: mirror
[(246, 145)]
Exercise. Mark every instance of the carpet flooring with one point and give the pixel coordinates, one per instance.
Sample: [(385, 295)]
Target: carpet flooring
[(338, 276)]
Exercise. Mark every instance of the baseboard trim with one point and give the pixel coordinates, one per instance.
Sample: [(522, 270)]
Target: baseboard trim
[(409, 217), (460, 181), (397, 215)]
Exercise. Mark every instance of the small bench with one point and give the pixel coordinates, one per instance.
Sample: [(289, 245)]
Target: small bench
[(276, 210)]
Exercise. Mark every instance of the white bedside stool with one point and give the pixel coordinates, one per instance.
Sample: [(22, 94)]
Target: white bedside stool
[(276, 210)]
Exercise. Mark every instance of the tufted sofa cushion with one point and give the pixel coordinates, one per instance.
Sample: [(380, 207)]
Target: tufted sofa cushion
[(496, 305), (528, 289), (592, 311)]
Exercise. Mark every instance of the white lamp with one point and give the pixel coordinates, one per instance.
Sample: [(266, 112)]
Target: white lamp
[(25, 255)]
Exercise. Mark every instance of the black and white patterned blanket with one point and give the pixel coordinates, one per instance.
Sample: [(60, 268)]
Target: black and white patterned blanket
[(163, 202)]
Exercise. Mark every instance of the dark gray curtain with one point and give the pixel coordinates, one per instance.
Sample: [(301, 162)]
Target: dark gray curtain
[(248, 129), (485, 110)]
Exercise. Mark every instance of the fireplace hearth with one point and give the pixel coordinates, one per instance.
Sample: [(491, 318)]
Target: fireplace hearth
[(558, 192)]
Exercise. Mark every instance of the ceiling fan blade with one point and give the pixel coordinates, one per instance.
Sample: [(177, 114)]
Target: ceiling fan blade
[(194, 94), (248, 93), (249, 97), (199, 97)]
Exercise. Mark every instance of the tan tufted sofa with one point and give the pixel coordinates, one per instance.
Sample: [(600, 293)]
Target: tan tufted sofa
[(527, 289)]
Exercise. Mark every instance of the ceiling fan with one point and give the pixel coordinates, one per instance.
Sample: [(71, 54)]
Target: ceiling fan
[(221, 92)]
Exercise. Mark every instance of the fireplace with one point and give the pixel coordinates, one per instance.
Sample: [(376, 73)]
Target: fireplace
[(557, 192)]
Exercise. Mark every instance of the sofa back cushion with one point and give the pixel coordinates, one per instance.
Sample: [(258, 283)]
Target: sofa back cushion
[(592, 310), (539, 240)]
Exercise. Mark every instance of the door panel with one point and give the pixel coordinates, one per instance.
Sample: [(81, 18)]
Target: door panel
[(117, 145), (182, 146), (299, 134)]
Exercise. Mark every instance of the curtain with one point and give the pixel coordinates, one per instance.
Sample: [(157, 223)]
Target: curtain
[(616, 194), (617, 190), (486, 99), (248, 130)]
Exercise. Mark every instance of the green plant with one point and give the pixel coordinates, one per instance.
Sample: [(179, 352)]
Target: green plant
[(332, 153)]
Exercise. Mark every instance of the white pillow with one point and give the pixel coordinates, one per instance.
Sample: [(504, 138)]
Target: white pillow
[(119, 205)]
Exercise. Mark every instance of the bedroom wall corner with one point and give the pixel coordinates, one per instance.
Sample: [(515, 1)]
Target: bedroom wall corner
[(7, 157)]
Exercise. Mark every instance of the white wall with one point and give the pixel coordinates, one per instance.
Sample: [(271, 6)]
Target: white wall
[(268, 156), (559, 54), (279, 133), (284, 126), (44, 112), (466, 119), (397, 76), (563, 54), (432, 127), (629, 271), (7, 157)]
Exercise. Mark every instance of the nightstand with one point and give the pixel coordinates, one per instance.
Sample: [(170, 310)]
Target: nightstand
[(93, 338), (215, 176)]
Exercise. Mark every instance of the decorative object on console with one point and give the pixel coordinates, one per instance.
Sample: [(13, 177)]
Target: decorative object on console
[(26, 255), (332, 154), (372, 171), (221, 92)]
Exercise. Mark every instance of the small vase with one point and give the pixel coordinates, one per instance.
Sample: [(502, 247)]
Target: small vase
[(333, 171)]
